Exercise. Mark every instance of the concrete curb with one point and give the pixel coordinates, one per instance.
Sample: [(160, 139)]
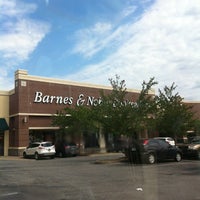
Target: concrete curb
[(90, 155), (11, 157), (105, 154), (111, 161)]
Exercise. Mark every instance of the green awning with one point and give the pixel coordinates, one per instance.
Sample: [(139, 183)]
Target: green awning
[(3, 125)]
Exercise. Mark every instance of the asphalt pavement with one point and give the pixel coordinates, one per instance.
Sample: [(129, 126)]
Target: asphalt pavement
[(97, 177)]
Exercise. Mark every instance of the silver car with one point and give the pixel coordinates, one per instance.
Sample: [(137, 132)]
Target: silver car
[(39, 150)]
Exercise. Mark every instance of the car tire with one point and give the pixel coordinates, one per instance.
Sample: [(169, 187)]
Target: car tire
[(37, 157), (178, 157), (52, 157), (151, 158)]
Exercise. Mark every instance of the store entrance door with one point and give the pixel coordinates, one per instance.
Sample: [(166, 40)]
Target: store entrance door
[(1, 143)]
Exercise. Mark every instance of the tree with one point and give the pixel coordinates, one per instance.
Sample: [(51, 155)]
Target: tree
[(74, 120), (62, 120), (173, 117), (142, 115), (118, 116), (165, 112), (113, 112), (197, 126)]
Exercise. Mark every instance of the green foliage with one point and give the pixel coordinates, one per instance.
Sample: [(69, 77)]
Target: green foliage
[(113, 112), (165, 112), (173, 117), (197, 126), (119, 117), (74, 120), (144, 111)]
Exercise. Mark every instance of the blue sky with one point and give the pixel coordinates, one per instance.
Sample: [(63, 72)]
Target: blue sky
[(91, 41)]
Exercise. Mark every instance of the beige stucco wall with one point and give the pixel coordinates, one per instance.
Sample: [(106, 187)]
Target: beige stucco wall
[(4, 113)]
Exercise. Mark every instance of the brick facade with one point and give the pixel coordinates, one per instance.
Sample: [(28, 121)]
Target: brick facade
[(34, 100)]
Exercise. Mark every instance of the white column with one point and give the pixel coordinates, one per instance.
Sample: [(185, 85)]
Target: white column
[(102, 142), (6, 143)]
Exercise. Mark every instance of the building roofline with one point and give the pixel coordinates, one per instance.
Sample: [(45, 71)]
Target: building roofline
[(4, 93), (190, 101), (23, 74)]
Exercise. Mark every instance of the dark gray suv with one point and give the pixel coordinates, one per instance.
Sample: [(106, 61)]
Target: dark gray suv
[(64, 149), (151, 151)]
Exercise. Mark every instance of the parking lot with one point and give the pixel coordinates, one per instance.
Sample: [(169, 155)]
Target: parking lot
[(97, 177)]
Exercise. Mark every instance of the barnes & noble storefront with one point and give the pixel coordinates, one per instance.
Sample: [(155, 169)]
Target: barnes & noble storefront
[(26, 112), (35, 100)]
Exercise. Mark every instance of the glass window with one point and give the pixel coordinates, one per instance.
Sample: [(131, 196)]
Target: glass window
[(48, 144)]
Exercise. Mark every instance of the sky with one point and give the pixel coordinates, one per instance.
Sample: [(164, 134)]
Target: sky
[(90, 41)]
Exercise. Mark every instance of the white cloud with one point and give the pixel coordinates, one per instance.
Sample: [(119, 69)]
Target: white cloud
[(23, 39), (19, 35), (163, 44), (128, 11), (90, 39), (14, 8)]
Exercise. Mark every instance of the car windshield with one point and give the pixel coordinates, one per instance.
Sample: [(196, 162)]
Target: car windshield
[(47, 144), (33, 145)]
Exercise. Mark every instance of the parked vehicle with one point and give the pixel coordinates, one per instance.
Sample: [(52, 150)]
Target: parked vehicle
[(170, 140), (184, 148), (116, 146), (152, 150), (39, 150), (194, 148), (64, 149)]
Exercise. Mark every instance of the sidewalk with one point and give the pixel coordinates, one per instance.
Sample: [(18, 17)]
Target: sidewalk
[(105, 154), (11, 157), (91, 155)]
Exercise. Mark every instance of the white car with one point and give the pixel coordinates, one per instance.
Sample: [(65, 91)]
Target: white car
[(39, 150), (169, 140)]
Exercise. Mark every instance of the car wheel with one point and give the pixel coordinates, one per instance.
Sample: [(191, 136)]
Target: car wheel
[(52, 157), (151, 158), (178, 157), (37, 157), (24, 155)]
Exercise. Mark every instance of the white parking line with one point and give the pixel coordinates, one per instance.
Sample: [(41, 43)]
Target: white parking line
[(9, 194)]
